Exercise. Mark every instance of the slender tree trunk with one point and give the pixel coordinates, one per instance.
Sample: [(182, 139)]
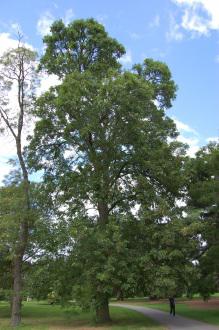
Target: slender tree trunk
[(21, 247), (102, 311), (17, 288), (103, 213), (17, 274), (119, 295)]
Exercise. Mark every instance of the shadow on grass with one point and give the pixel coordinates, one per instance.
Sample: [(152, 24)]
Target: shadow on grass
[(38, 316)]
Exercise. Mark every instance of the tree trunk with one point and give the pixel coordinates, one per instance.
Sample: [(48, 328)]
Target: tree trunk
[(119, 295), (21, 247), (102, 311), (17, 274), (17, 287), (103, 213)]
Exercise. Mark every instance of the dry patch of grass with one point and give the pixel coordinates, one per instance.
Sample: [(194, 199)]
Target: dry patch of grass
[(210, 304)]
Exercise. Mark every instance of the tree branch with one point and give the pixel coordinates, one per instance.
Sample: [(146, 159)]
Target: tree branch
[(4, 116)]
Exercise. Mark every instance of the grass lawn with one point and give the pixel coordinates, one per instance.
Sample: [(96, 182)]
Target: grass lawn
[(208, 315), (216, 295), (41, 316)]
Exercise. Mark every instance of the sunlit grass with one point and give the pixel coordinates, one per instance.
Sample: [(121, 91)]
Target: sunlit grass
[(208, 315), (41, 316)]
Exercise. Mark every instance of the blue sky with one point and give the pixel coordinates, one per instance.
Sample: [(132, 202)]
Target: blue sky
[(182, 33)]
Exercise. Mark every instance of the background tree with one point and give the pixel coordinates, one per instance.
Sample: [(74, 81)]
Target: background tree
[(204, 199), (103, 141), (17, 75)]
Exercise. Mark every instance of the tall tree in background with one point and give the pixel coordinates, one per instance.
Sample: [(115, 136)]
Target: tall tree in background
[(17, 78), (204, 199), (103, 141)]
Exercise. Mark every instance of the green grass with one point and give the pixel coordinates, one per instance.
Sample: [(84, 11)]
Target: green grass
[(41, 316), (197, 296), (131, 320), (194, 312), (216, 295)]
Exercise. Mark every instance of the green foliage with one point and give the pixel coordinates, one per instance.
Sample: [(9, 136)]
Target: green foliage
[(52, 297), (204, 196), (111, 141), (159, 76), (12, 211), (80, 46)]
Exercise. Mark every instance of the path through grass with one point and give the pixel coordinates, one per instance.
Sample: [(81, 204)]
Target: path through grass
[(207, 315)]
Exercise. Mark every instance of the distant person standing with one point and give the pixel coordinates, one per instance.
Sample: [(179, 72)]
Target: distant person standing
[(172, 305)]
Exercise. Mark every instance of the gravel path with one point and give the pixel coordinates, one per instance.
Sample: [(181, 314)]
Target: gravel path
[(171, 322)]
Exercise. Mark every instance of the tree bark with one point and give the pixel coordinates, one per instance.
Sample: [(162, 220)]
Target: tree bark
[(17, 287), (17, 274), (21, 247), (103, 213), (119, 295), (102, 311)]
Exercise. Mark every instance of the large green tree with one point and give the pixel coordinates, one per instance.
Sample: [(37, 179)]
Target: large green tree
[(104, 141)]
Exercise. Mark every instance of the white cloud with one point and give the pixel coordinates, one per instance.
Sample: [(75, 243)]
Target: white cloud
[(135, 36), (126, 59), (192, 142), (7, 147), (174, 32), (7, 151), (188, 135), (102, 18), (155, 23), (47, 81), (90, 209), (4, 169), (69, 14), (199, 16), (213, 139), (47, 18), (55, 5), (182, 127), (7, 42), (15, 27), (193, 22), (44, 23)]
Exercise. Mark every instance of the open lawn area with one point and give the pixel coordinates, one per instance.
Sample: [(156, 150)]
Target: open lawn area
[(195, 309), (41, 316), (207, 315)]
